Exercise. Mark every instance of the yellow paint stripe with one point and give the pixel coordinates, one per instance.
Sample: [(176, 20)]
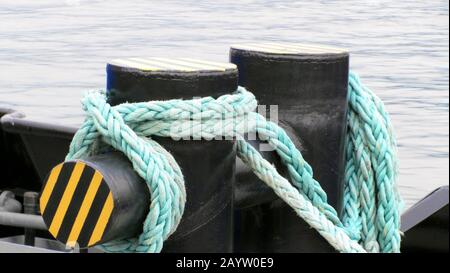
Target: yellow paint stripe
[(66, 198), (309, 48), (279, 47), (155, 67), (133, 64), (49, 186), (102, 221), (296, 48), (263, 48), (223, 66), (163, 62), (195, 66), (84, 210)]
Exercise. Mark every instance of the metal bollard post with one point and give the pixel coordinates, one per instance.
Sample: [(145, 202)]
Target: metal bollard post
[(309, 86), (101, 198), (30, 206)]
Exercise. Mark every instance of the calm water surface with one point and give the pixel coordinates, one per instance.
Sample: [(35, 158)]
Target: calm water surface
[(51, 51)]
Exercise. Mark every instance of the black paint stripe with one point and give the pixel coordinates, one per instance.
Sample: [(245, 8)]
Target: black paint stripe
[(75, 204), (94, 213), (58, 191)]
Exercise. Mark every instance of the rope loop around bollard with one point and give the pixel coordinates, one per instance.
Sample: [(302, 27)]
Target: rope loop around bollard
[(370, 220)]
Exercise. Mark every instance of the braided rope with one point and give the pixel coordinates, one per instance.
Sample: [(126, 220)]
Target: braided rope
[(370, 220)]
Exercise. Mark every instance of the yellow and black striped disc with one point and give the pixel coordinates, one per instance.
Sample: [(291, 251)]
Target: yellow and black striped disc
[(76, 204)]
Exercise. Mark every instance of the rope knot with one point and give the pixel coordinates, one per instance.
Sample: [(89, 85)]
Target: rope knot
[(371, 203)]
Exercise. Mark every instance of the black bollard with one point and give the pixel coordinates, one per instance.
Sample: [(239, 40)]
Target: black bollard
[(309, 86), (120, 199)]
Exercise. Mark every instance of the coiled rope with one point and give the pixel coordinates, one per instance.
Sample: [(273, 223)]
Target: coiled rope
[(370, 220)]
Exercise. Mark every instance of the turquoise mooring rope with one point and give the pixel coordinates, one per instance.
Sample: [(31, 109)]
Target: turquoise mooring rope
[(370, 220)]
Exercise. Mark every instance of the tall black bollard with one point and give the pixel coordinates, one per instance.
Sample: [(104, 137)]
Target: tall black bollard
[(309, 86), (119, 201)]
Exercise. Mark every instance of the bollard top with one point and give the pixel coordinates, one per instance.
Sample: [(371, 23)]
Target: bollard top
[(76, 204), (289, 49), (151, 78), (180, 65)]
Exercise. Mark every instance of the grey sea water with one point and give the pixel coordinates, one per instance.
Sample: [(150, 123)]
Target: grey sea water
[(51, 51)]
